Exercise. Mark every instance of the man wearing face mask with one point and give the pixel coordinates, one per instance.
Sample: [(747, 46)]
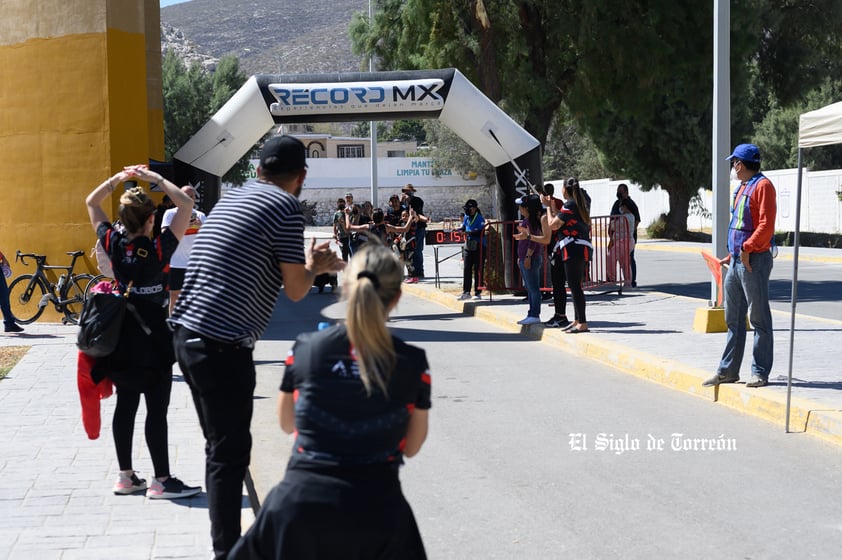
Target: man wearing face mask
[(746, 285), (623, 198)]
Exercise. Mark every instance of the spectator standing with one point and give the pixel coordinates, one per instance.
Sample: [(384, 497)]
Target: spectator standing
[(473, 224), (341, 496), (10, 326), (178, 262), (557, 276), (573, 246), (394, 211), (746, 284), (142, 362), (624, 198), (416, 204), (251, 246), (340, 233), (530, 253), (160, 210), (621, 244), (354, 215), (406, 245)]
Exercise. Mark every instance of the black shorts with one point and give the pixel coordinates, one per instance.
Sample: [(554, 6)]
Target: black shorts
[(176, 278)]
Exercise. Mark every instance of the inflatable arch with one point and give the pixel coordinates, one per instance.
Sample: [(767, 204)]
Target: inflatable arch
[(265, 100)]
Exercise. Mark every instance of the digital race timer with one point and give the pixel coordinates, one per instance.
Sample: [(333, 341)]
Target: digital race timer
[(439, 237)]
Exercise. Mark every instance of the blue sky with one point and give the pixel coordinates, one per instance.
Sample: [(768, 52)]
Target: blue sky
[(165, 3)]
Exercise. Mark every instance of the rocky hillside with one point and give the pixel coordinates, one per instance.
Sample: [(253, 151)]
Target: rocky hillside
[(269, 36)]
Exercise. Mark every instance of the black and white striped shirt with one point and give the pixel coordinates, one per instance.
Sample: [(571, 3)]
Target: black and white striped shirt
[(233, 277)]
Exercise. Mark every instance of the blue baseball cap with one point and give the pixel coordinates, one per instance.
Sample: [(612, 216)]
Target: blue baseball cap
[(746, 152)]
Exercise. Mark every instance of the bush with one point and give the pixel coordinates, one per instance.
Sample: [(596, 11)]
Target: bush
[(658, 228), (809, 239)]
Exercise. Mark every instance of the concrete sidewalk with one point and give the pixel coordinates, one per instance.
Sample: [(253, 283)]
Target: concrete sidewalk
[(55, 484), (650, 334)]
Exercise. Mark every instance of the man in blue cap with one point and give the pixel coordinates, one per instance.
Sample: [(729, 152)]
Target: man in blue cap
[(746, 285)]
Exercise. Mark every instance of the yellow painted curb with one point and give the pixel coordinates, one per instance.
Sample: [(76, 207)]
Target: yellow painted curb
[(805, 416)]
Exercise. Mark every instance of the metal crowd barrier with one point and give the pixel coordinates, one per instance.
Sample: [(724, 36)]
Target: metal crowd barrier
[(608, 270)]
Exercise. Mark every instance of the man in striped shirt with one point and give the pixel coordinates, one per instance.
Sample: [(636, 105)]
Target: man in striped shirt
[(250, 246)]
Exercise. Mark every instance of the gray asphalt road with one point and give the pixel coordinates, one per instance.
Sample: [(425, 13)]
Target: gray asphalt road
[(513, 466), (681, 271)]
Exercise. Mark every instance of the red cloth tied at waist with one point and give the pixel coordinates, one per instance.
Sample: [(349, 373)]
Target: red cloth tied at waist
[(90, 394)]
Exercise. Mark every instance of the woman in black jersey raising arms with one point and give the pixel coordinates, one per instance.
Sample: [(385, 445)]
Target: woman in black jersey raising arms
[(358, 399), (142, 362)]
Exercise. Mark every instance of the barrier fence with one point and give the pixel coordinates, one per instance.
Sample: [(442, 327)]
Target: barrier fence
[(608, 270)]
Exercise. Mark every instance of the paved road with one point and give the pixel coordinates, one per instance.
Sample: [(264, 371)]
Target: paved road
[(499, 478), (677, 268)]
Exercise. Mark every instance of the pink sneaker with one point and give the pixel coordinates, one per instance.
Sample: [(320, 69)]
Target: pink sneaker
[(129, 484)]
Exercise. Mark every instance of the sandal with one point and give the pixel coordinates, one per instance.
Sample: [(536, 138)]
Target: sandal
[(576, 330)]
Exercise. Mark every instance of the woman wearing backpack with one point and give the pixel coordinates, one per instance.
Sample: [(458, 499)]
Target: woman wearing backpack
[(142, 362)]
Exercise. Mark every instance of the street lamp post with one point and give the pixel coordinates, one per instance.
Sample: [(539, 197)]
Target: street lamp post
[(721, 128)]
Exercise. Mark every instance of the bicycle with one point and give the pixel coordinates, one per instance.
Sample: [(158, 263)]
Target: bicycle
[(31, 293), (96, 280)]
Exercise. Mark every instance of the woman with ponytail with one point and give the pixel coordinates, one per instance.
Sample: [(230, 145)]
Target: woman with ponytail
[(357, 398), (142, 362), (574, 246)]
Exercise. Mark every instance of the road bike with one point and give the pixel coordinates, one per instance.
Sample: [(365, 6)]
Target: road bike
[(30, 294)]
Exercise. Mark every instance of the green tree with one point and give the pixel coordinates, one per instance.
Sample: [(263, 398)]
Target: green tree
[(777, 133), (636, 75), (521, 54), (644, 90), (192, 96)]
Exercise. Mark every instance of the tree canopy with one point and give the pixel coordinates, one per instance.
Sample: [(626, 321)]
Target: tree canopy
[(633, 79)]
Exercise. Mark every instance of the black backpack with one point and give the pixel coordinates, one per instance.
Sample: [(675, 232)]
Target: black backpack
[(101, 321)]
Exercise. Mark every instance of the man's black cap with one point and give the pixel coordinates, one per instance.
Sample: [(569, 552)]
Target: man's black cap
[(281, 154)]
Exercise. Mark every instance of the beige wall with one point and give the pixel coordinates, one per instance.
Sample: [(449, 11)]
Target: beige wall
[(74, 107)]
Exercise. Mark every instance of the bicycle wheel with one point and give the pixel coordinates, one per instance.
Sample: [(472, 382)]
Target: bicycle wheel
[(25, 293), (73, 297), (94, 281)]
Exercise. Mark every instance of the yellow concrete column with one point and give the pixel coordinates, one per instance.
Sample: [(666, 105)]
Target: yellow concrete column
[(74, 107)]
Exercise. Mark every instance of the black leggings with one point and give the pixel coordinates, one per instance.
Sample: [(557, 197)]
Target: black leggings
[(574, 269), (157, 399), (558, 278), (472, 270)]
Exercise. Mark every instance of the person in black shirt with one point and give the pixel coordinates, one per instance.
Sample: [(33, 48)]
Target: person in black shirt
[(416, 204), (142, 362), (358, 399)]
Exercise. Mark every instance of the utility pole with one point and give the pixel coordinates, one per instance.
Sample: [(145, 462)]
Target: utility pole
[(720, 173), (373, 128)]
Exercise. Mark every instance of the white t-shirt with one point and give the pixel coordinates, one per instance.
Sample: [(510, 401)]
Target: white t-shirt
[(182, 254)]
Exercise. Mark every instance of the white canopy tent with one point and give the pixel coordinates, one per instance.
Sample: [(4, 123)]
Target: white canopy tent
[(822, 127)]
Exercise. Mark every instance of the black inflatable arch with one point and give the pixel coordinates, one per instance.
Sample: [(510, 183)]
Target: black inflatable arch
[(265, 100)]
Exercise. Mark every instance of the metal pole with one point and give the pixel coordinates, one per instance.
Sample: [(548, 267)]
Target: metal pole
[(720, 181), (373, 130), (796, 242)]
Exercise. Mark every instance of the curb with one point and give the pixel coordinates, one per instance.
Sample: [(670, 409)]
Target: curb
[(805, 415)]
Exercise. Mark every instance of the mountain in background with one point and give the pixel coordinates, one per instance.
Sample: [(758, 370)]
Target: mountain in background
[(269, 36)]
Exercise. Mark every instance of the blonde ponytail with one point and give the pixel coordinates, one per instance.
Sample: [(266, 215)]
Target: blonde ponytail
[(372, 281)]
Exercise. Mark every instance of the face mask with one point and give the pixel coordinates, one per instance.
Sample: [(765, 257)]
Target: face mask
[(734, 175)]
